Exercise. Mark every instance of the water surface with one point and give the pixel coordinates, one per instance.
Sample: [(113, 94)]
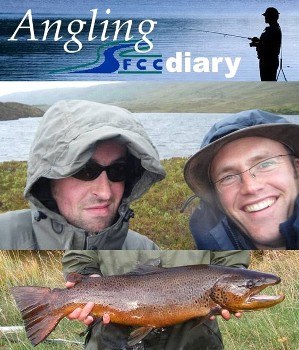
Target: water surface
[(174, 134)]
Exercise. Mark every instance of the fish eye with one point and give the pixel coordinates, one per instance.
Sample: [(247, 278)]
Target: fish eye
[(250, 284)]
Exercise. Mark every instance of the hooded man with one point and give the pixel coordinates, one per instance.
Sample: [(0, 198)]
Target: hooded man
[(246, 175), (87, 163)]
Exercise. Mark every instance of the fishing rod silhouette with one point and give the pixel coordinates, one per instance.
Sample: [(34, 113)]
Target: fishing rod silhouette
[(242, 37), (220, 33)]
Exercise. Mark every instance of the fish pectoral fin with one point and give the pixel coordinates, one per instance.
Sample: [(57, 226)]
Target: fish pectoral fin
[(138, 334), (89, 328), (200, 320), (214, 311), (114, 336)]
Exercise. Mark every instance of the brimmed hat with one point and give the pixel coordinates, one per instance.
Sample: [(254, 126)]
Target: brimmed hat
[(244, 124), (271, 11)]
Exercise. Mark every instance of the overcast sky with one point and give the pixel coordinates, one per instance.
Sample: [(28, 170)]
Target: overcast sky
[(9, 87), (155, 8)]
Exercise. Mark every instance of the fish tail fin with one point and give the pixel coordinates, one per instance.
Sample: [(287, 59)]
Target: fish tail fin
[(35, 305)]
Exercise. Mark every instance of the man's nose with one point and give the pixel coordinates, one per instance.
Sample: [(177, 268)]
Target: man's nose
[(101, 186), (250, 183)]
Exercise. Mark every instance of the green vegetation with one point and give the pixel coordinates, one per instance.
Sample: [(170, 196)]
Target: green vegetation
[(275, 328), (177, 97), (156, 214), (32, 268), (12, 185)]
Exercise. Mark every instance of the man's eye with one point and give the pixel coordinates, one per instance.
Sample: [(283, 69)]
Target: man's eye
[(228, 179), (267, 164)]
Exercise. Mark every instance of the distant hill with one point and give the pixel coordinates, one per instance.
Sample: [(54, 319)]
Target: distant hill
[(216, 97), (14, 110)]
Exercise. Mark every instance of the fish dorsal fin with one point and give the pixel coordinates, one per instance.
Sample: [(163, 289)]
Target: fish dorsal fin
[(75, 277), (138, 334), (151, 266)]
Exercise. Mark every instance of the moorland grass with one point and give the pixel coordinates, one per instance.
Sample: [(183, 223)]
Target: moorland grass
[(272, 329), (31, 268), (275, 328)]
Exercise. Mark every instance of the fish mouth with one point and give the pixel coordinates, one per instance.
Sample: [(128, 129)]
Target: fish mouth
[(261, 301), (272, 299)]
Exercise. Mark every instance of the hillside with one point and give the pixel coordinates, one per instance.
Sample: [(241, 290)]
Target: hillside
[(14, 110), (174, 97)]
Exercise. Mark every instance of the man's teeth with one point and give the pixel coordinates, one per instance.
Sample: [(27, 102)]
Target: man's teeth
[(259, 206)]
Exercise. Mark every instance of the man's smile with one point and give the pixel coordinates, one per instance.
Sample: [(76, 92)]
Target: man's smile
[(266, 203), (98, 209)]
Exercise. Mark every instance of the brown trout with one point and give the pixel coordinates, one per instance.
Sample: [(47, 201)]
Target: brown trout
[(147, 297)]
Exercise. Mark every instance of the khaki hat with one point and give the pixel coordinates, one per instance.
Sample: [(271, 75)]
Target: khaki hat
[(244, 124)]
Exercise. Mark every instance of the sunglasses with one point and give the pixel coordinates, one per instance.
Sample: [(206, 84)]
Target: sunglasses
[(116, 172)]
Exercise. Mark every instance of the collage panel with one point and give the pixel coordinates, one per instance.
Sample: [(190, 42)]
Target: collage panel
[(142, 173), (169, 296), (124, 40), (149, 175)]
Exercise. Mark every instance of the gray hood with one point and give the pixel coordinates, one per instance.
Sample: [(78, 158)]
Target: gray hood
[(65, 141)]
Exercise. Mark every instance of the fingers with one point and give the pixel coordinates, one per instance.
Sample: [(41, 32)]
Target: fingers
[(69, 284), (227, 315), (82, 314), (106, 318)]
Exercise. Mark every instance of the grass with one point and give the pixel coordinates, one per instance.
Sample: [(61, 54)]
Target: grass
[(12, 184), (179, 96), (32, 268), (275, 328), (272, 329), (156, 214)]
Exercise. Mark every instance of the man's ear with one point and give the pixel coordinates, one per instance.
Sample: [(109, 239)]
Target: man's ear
[(296, 166)]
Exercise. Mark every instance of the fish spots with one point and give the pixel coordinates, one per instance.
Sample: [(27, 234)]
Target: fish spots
[(156, 299), (217, 295)]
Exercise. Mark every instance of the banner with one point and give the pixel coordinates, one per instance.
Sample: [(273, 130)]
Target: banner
[(125, 40)]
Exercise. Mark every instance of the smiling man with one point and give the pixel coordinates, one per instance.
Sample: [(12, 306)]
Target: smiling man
[(246, 175), (87, 163)]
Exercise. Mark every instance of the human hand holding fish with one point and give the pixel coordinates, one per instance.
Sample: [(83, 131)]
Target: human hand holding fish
[(148, 299), (84, 314)]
